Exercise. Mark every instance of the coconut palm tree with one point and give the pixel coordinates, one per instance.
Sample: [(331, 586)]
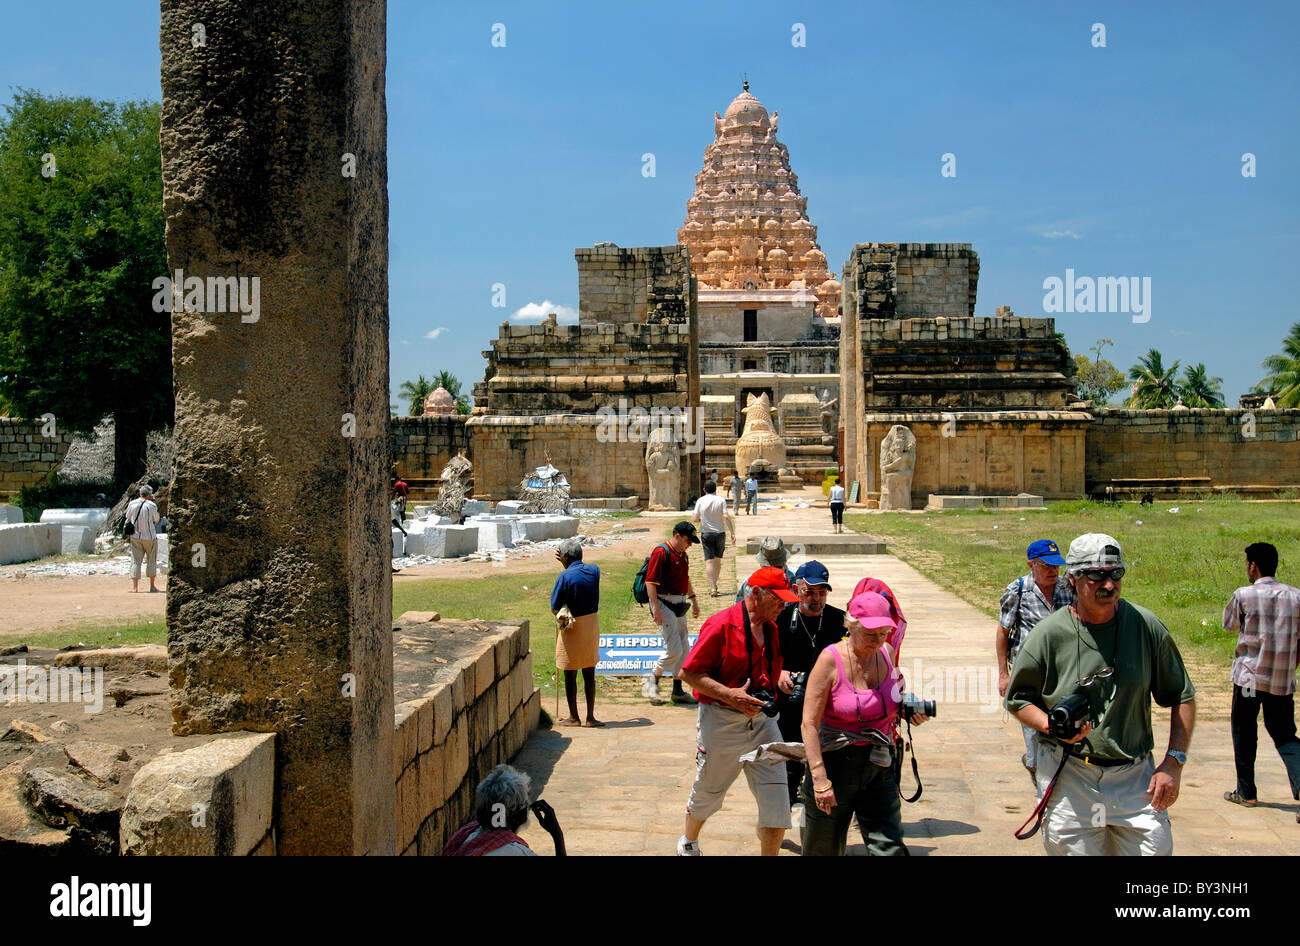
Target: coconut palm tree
[(1198, 390), (1155, 387), (1284, 371), (417, 391)]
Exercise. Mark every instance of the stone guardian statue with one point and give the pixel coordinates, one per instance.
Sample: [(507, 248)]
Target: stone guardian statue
[(663, 466), (897, 464)]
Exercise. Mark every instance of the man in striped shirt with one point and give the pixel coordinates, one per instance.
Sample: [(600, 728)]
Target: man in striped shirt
[(142, 513), (1266, 614)]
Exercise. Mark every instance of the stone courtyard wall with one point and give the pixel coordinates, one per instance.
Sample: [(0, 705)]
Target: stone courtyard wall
[(421, 446), (26, 456), (988, 453), (1125, 444), (634, 284), (477, 713)]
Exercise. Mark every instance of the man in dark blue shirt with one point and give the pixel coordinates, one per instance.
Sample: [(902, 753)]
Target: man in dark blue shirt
[(577, 646)]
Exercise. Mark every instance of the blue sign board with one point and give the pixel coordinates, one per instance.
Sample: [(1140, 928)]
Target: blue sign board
[(632, 654)]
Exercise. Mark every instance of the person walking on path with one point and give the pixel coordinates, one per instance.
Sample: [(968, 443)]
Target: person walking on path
[(715, 522), (734, 668), (1117, 657), (837, 508), (805, 629), (1025, 602), (1266, 615), (577, 595), (668, 586), (737, 492), (142, 514), (772, 552), (751, 495)]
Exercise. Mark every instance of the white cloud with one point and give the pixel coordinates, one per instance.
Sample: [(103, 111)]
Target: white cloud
[(536, 312), (431, 336), (405, 342), (1058, 234), (1064, 229)]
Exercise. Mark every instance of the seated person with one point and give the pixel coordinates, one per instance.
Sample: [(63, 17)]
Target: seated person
[(500, 809)]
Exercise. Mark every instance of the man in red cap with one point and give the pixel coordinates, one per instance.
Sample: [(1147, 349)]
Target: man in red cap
[(734, 668)]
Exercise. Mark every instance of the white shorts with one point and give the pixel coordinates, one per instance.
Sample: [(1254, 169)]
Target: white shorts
[(723, 735)]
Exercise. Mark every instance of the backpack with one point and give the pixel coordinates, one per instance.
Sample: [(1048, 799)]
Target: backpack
[(639, 593)]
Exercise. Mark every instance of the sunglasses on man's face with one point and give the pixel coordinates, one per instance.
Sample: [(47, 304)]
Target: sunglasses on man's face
[(1098, 575)]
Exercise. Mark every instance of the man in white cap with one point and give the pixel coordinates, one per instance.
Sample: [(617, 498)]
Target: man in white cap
[(1104, 792)]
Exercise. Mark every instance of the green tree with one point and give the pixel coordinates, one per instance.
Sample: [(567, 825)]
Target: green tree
[(81, 242), (449, 381), (1156, 386), (1097, 379), (1284, 371), (1198, 390), (417, 391)]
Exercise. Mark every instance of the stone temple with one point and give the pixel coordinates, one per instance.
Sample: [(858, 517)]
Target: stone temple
[(768, 306)]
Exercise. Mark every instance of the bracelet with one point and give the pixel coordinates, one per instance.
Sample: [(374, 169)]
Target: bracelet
[(826, 788), (819, 765)]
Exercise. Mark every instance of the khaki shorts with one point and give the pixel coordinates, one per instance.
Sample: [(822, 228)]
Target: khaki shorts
[(723, 735)]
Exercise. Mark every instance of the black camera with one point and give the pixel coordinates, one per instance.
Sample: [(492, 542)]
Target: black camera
[(912, 705), (769, 701), (1065, 720), (799, 682)]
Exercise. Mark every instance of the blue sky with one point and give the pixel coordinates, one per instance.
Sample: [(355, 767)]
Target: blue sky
[(1116, 161)]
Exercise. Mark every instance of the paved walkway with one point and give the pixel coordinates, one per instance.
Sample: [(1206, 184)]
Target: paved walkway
[(623, 789)]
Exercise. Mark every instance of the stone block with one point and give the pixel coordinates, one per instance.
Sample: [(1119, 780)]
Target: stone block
[(78, 540), (476, 507), (11, 515), (94, 517), (431, 782), (26, 542), (508, 507), (450, 541), (455, 758), (405, 737), (399, 543), (231, 780), (408, 805), (444, 714), (501, 648), (485, 672), (137, 658), (163, 556), (493, 533)]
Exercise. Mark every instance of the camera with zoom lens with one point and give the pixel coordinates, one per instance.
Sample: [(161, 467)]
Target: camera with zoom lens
[(1065, 720), (799, 681), (769, 701), (914, 705)]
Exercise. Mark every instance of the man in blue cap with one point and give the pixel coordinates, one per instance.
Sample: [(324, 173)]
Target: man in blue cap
[(1025, 602), (804, 629)]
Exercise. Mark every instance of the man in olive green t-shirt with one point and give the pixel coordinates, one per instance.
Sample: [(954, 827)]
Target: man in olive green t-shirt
[(1110, 797)]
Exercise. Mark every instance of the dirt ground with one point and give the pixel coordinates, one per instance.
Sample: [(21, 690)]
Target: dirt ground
[(42, 603)]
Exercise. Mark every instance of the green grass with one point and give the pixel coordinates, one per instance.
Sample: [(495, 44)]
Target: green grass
[(520, 596), (134, 631), (1183, 566)]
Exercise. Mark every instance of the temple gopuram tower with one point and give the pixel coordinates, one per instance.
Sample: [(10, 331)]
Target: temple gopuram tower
[(768, 304)]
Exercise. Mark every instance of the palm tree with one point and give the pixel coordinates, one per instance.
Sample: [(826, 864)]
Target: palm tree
[(446, 379), (1155, 388), (1284, 371), (1197, 390), (417, 391)]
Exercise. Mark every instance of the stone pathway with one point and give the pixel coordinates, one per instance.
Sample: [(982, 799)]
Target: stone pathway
[(623, 789)]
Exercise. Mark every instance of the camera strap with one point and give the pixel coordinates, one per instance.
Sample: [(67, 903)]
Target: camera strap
[(1040, 811), (916, 774)]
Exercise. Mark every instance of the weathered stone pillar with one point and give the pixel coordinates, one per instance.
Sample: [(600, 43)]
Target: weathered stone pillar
[(278, 607)]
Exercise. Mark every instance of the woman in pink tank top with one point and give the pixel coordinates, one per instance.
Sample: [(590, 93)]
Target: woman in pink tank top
[(850, 713)]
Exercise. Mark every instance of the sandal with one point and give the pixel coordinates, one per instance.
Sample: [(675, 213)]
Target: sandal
[(1236, 799)]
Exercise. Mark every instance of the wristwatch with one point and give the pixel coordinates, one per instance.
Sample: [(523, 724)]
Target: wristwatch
[(1178, 756)]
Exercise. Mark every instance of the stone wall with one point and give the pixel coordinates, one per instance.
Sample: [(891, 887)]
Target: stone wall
[(474, 713), (421, 446), (1003, 452), (26, 456), (1223, 445), (633, 284), (819, 353), (910, 280)]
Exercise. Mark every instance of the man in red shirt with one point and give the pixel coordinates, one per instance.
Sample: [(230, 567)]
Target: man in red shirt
[(668, 586), (734, 668)]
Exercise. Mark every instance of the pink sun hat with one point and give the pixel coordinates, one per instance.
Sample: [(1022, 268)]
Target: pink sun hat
[(870, 609)]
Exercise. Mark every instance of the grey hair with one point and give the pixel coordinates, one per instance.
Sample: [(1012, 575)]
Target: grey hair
[(571, 549), (501, 799), (146, 490)]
